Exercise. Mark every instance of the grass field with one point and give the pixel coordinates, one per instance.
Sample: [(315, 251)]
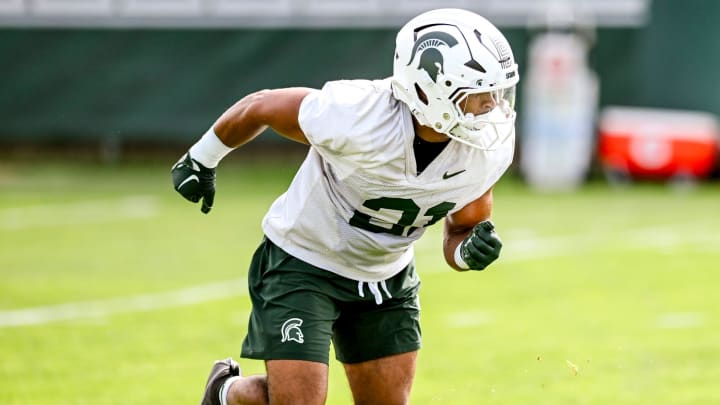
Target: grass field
[(113, 290)]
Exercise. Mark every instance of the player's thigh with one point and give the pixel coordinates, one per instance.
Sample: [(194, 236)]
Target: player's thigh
[(297, 382), (384, 381), (367, 330), (292, 314)]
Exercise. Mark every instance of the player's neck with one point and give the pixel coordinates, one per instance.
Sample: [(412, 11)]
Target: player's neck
[(428, 134)]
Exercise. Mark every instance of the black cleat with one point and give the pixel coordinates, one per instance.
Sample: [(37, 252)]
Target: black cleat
[(221, 371)]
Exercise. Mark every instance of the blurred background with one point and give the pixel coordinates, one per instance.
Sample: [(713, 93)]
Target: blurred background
[(119, 75), (114, 290)]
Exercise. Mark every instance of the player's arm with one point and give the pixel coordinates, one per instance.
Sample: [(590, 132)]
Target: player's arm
[(470, 241), (194, 174), (277, 109)]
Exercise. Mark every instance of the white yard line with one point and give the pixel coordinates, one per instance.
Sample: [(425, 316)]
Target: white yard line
[(662, 239), (86, 212), (680, 320), (521, 245), (520, 249), (138, 303), (470, 319)]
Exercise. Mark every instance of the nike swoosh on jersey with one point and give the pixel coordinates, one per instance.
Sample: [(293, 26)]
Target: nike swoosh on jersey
[(192, 177), (448, 175)]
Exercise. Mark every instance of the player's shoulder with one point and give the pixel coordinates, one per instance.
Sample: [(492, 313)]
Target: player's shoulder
[(353, 93), (345, 106), (347, 116)]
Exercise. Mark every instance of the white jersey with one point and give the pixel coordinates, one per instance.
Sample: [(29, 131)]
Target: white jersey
[(356, 205)]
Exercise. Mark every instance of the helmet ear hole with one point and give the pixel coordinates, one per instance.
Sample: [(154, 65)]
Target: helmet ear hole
[(421, 94)]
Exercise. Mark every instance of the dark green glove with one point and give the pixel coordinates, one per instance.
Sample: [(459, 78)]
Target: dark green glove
[(481, 247), (194, 181)]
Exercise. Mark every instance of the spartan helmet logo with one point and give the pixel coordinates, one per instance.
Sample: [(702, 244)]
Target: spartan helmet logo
[(291, 330), (431, 58)]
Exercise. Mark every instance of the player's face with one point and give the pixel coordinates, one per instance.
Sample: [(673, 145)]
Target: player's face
[(478, 104)]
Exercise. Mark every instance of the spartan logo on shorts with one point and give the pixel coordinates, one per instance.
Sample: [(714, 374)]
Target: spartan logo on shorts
[(291, 330)]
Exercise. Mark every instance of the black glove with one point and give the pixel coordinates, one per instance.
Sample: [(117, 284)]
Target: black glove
[(481, 247), (194, 181)]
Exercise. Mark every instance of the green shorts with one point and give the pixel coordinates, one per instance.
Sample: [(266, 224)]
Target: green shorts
[(298, 308)]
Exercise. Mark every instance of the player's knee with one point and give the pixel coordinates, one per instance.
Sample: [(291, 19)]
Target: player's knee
[(382, 398), (297, 382)]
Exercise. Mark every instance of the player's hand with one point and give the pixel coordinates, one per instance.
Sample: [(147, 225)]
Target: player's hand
[(194, 181), (481, 247)]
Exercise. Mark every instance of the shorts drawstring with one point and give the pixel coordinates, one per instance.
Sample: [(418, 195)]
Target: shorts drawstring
[(373, 286)]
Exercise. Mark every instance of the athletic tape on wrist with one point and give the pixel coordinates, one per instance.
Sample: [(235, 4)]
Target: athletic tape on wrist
[(458, 258), (209, 150)]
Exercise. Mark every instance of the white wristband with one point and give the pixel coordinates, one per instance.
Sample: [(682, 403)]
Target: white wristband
[(209, 150), (458, 258)]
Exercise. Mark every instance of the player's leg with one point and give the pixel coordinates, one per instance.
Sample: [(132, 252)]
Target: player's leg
[(378, 342), (225, 386), (297, 382), (287, 382), (251, 390), (290, 328), (384, 381)]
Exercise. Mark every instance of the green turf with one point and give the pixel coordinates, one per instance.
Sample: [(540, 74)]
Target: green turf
[(601, 297)]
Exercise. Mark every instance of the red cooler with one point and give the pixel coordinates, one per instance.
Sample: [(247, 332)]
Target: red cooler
[(657, 143)]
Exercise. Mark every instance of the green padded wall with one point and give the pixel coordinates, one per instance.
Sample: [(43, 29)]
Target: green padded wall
[(168, 85)]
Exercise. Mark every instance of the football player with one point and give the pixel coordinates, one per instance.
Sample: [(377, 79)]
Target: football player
[(387, 158)]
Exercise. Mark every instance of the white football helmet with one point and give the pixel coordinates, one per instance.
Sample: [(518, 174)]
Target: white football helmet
[(443, 56)]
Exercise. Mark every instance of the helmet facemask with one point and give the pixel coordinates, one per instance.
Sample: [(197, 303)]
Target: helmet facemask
[(485, 130)]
